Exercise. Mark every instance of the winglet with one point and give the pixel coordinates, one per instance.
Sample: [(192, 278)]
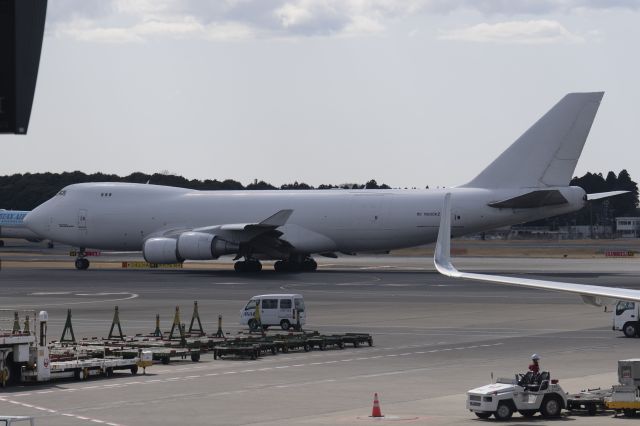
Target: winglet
[(442, 253), (278, 219)]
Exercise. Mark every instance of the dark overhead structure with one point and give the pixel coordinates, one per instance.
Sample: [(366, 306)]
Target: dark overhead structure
[(21, 32)]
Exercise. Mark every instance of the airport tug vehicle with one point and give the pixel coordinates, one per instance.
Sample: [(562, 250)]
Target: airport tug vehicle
[(527, 394)]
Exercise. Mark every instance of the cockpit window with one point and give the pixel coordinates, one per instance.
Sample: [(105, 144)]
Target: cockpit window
[(62, 193)]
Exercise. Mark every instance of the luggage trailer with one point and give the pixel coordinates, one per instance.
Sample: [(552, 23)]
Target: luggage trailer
[(24, 356)]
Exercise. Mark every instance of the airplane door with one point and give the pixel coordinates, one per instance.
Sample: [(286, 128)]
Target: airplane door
[(82, 219), (82, 223)]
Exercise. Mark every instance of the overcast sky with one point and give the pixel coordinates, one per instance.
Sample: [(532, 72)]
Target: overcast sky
[(411, 93)]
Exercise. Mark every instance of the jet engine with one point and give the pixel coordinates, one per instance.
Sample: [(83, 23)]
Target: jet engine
[(203, 246), (161, 250), (188, 246)]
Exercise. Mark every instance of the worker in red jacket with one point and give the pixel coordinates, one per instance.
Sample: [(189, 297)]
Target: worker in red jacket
[(535, 366)]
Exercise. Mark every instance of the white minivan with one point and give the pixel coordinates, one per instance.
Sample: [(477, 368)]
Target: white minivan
[(275, 309)]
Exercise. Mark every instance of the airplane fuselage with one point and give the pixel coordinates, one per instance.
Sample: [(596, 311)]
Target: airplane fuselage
[(117, 216)]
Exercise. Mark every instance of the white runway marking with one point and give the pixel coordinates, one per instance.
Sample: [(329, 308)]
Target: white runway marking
[(49, 410), (252, 371)]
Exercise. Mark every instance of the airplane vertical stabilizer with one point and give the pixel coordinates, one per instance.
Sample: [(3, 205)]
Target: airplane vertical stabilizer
[(545, 155)]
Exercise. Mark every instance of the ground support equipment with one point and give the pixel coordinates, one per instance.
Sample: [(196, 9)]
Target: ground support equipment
[(590, 401)]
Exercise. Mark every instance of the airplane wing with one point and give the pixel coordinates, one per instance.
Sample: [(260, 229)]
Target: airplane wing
[(591, 294), (270, 223)]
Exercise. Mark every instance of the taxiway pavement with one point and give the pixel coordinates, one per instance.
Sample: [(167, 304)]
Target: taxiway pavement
[(434, 339)]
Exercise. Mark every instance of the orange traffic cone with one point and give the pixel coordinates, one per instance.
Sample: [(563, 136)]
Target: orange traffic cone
[(376, 412)]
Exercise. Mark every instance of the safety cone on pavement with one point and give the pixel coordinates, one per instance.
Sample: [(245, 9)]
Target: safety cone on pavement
[(376, 412)]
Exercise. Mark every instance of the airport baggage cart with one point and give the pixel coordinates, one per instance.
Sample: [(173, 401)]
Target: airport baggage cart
[(322, 341), (292, 342), (590, 401), (239, 350), (357, 339)]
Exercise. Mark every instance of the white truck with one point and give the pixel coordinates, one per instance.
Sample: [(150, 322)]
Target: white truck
[(527, 394), (626, 318)]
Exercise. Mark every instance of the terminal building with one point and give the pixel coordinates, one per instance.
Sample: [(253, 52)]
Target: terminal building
[(628, 227)]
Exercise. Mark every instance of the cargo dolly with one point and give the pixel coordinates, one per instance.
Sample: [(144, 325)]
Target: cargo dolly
[(240, 350), (590, 401)]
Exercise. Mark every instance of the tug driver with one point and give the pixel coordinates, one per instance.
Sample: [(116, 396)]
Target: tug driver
[(535, 366)]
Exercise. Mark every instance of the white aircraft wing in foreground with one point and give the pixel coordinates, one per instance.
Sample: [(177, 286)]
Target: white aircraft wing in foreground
[(591, 294)]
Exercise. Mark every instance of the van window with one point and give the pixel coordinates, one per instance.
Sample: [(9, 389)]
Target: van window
[(285, 303), (623, 306), (299, 305), (269, 303), (251, 306)]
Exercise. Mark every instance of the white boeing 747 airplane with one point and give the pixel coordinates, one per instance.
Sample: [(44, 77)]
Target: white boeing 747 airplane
[(526, 182)]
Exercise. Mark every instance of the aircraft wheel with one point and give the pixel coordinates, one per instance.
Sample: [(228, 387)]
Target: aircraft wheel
[(309, 265), (280, 266)]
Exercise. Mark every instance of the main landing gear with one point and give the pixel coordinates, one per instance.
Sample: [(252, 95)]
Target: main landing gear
[(249, 265), (305, 265), (82, 263)]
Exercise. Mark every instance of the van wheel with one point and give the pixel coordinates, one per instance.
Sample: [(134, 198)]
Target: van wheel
[(285, 325), (504, 412), (551, 407), (630, 329)]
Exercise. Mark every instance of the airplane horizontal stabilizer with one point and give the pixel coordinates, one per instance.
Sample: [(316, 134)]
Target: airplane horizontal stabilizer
[(591, 294), (601, 195), (541, 198)]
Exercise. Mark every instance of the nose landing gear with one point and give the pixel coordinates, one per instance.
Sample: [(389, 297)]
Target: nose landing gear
[(82, 263)]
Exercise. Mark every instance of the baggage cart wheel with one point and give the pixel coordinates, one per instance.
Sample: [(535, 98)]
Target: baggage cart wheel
[(195, 357), (274, 350), (165, 360), (592, 409), (341, 345), (355, 344), (306, 347), (134, 369), (370, 341)]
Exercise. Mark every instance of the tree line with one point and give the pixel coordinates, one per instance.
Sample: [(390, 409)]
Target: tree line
[(26, 191)]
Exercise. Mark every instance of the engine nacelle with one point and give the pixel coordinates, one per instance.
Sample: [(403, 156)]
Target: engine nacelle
[(161, 250), (203, 246)]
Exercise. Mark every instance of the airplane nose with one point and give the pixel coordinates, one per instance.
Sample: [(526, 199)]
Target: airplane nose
[(36, 221)]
